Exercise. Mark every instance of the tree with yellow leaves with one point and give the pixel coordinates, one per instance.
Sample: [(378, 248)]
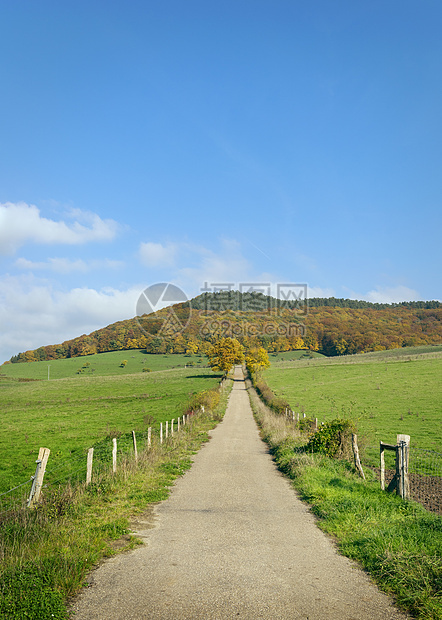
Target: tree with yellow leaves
[(257, 359), (224, 354)]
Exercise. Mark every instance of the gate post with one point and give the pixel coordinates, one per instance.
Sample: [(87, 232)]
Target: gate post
[(402, 458)]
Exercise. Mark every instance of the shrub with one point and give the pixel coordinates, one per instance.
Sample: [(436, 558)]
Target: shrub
[(307, 425), (333, 439), (208, 399)]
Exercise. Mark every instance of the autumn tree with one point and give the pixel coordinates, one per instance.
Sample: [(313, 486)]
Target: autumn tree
[(192, 347), (257, 359), (224, 354)]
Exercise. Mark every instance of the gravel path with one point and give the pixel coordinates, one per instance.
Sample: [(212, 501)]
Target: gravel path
[(233, 541)]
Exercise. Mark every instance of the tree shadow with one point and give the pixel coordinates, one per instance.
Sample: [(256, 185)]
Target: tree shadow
[(211, 376)]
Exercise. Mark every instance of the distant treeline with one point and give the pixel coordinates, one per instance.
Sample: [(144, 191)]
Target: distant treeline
[(235, 300), (331, 326), (317, 302)]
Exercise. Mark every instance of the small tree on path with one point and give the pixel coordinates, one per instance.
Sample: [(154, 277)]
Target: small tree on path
[(257, 359), (224, 354)]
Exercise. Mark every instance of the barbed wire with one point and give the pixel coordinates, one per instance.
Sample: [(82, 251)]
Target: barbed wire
[(100, 460), (17, 487)]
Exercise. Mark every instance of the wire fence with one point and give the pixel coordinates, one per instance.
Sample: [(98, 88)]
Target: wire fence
[(72, 469), (424, 475)]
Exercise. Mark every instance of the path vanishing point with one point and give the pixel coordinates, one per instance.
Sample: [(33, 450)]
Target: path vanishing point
[(233, 541)]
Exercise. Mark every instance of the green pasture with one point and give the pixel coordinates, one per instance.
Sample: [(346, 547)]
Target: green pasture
[(103, 364), (292, 356), (383, 393), (71, 414)]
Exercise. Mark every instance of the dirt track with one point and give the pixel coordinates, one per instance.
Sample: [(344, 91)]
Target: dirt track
[(233, 541)]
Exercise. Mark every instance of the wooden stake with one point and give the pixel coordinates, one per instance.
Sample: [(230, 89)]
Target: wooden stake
[(149, 437), (167, 429), (354, 443), (43, 455), (403, 486), (90, 456), (114, 455), (161, 432), (383, 447), (135, 446), (382, 465)]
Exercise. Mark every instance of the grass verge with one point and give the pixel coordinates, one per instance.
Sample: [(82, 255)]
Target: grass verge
[(46, 553), (399, 543)]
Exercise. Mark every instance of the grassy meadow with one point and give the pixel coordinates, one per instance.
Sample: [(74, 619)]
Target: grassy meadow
[(71, 412), (386, 393), (101, 364), (46, 553), (398, 543)]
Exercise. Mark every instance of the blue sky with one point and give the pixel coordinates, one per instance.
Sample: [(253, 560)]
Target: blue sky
[(192, 142)]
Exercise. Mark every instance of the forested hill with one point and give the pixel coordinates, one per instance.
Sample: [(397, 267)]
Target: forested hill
[(238, 300), (331, 326)]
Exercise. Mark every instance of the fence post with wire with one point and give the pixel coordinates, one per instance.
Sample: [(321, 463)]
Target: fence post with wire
[(82, 465)]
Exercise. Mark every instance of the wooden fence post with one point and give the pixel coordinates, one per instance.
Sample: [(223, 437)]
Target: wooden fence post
[(354, 443), (178, 424), (149, 437), (402, 455), (43, 455), (400, 482), (171, 426), (393, 484), (161, 432), (167, 429), (114, 455), (90, 456), (382, 465), (135, 447)]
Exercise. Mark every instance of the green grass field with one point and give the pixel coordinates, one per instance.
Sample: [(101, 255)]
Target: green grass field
[(73, 413), (398, 543), (385, 392), (291, 356), (102, 364)]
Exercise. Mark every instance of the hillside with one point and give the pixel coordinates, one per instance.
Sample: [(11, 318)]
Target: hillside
[(330, 326)]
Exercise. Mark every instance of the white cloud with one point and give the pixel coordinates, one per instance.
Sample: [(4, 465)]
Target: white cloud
[(391, 295), (316, 291), (21, 223), (156, 254), (65, 266), (33, 313), (59, 265)]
